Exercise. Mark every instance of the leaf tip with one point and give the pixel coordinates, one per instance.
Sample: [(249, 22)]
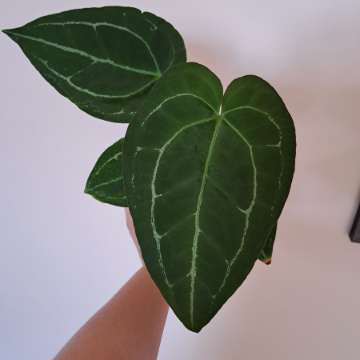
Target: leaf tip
[(267, 261), (6, 31), (9, 33)]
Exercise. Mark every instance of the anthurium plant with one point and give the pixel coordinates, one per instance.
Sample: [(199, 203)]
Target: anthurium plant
[(205, 171)]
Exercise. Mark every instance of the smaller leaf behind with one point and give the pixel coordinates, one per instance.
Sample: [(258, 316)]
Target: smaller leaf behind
[(266, 253), (106, 180), (105, 60)]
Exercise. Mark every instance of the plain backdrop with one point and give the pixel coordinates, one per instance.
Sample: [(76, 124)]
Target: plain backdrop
[(62, 254)]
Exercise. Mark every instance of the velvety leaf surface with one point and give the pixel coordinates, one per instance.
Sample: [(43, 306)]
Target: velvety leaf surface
[(106, 181), (206, 176), (105, 60), (106, 184)]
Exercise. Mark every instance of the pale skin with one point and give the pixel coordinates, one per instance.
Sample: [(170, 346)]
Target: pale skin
[(128, 327)]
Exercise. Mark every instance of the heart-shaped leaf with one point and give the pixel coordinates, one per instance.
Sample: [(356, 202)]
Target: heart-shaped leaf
[(105, 60), (206, 176), (106, 180)]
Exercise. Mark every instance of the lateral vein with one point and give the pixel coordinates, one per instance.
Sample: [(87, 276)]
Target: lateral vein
[(115, 26), (158, 107), (248, 211), (68, 80), (156, 234), (112, 181), (114, 157)]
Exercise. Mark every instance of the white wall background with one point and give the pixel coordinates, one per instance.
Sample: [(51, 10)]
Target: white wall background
[(62, 254)]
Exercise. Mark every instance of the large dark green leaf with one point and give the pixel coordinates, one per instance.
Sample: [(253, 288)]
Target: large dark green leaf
[(105, 60), (206, 176), (106, 184), (106, 181)]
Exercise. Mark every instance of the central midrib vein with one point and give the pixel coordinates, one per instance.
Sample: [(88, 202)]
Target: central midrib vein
[(85, 54), (193, 270)]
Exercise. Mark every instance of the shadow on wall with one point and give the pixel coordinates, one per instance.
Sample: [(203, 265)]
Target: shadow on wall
[(355, 210)]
